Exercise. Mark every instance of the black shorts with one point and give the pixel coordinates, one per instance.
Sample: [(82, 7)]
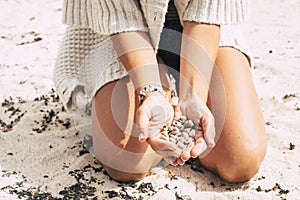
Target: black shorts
[(170, 40)]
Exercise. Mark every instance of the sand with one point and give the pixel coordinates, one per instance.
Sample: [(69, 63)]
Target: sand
[(42, 157)]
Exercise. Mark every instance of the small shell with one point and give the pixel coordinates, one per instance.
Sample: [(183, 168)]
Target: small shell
[(190, 140), (174, 137), (165, 128), (181, 139), (175, 130), (164, 137), (182, 128), (174, 101), (187, 129), (173, 141), (164, 132), (188, 123), (177, 123), (192, 133), (185, 135), (170, 128), (180, 145), (182, 119)]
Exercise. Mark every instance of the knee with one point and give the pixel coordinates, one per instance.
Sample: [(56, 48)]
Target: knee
[(240, 171), (243, 163), (124, 176)]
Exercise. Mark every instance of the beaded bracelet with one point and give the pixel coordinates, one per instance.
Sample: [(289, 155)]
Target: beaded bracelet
[(151, 88)]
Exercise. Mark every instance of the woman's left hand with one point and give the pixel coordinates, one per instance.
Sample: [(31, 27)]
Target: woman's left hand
[(199, 113)]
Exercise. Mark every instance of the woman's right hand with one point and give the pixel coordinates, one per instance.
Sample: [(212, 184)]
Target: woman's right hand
[(154, 113)]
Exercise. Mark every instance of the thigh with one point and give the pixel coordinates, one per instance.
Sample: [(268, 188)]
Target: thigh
[(235, 106), (115, 140)]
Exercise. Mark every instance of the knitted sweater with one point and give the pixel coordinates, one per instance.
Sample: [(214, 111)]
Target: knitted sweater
[(86, 59)]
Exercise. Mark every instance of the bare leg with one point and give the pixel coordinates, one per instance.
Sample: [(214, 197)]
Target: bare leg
[(116, 144), (242, 143)]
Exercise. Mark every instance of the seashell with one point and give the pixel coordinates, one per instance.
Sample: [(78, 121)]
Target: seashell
[(188, 123), (192, 133), (175, 130), (185, 135), (173, 137), (185, 142), (181, 139), (164, 132), (174, 101), (187, 129), (173, 140), (180, 145), (182, 128), (181, 133), (179, 126), (165, 128), (164, 137), (190, 140), (175, 123), (182, 119)]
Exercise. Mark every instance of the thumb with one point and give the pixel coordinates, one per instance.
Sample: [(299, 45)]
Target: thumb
[(143, 134), (143, 118), (210, 132)]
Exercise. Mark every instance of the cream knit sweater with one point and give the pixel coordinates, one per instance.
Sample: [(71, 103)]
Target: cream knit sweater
[(86, 59)]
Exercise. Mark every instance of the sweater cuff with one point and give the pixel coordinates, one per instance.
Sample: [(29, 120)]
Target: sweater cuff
[(104, 16), (215, 11)]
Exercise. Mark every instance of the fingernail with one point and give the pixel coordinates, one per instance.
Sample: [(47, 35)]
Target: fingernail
[(194, 156), (212, 144), (142, 138)]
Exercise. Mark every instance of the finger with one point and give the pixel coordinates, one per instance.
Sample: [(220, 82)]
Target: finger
[(170, 160), (157, 143), (168, 153), (174, 163), (180, 161), (186, 154), (161, 145), (199, 147), (169, 121), (154, 129), (144, 134), (143, 118), (210, 132), (170, 116)]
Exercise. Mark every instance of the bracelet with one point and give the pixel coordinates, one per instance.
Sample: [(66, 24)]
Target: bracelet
[(151, 88)]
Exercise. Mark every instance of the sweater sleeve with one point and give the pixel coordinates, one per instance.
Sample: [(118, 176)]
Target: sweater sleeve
[(104, 16), (212, 11)]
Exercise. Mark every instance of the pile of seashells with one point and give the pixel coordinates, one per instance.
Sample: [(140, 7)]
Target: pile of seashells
[(181, 133)]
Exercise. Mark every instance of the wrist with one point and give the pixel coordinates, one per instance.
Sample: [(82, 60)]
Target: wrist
[(192, 85), (144, 75), (151, 89)]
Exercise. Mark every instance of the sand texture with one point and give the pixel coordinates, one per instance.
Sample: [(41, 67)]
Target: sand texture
[(42, 157)]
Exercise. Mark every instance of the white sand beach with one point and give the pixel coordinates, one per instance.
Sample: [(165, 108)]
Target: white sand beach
[(42, 156)]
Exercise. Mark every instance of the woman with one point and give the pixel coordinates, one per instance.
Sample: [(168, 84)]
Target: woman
[(120, 54)]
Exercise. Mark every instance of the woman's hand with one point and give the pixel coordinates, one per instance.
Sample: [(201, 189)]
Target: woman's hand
[(199, 47), (198, 112), (154, 113)]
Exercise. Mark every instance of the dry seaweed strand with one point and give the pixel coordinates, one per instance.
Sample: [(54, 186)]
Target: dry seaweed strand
[(9, 104)]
